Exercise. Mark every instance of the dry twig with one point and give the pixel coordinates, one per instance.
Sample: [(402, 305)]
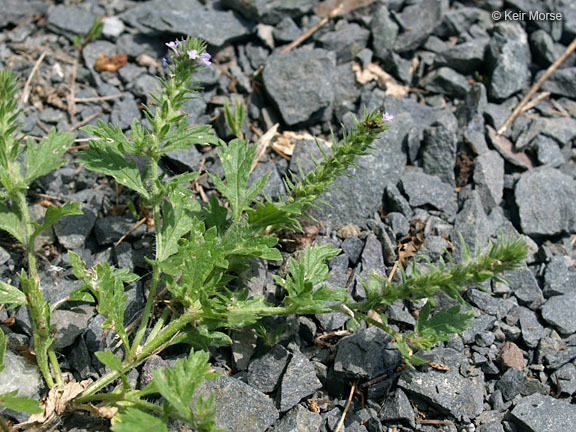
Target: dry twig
[(26, 91)]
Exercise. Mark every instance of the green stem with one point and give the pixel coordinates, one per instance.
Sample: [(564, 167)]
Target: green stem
[(148, 349)]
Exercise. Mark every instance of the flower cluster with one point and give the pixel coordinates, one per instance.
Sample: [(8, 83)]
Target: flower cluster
[(202, 58), (386, 117)]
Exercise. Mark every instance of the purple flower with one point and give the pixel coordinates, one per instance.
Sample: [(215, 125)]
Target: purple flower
[(387, 117), (192, 54), (172, 45), (164, 61), (205, 58)]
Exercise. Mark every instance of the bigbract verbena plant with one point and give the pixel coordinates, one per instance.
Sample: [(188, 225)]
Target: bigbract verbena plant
[(199, 250)]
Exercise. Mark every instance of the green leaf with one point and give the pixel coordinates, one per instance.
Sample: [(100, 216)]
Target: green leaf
[(2, 349), (237, 160), (112, 135), (178, 383), (133, 420), (55, 213), (178, 214), (10, 222), (47, 156), (19, 403), (78, 266), (428, 331), (11, 295), (183, 137), (243, 240), (103, 158), (107, 358)]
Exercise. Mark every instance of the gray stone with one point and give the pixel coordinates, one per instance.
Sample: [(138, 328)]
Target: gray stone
[(490, 304), (396, 202), (113, 27), (509, 58), (243, 346), (305, 153), (300, 84), (144, 86), (275, 186), (111, 228), (384, 32), (464, 58), (448, 391), (525, 287), (446, 81), (397, 407), (419, 20), (271, 11), (264, 372), (365, 355), (298, 419), (352, 247), (16, 12), (336, 280), (70, 20), (346, 41), (299, 380), (489, 178), (439, 153), (426, 190), (372, 258), (286, 30), (125, 110), (238, 406), (545, 50), (182, 160), (565, 378), (551, 354), (516, 382), (153, 363), (562, 82), (559, 277), (560, 312), (532, 330), (398, 223), (186, 17), (4, 256), (72, 231), (69, 324), (546, 199), (561, 129), (548, 151), (480, 324), (538, 413), (20, 374), (490, 427)]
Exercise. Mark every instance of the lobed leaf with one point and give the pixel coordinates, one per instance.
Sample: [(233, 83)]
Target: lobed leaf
[(55, 213), (107, 358), (19, 403), (47, 155), (134, 420), (10, 222), (11, 295)]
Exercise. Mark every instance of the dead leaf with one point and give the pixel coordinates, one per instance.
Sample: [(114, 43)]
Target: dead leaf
[(57, 401), (146, 60), (373, 72), (323, 9), (464, 168), (285, 143), (294, 240), (438, 366), (313, 406), (110, 63), (263, 143), (506, 150)]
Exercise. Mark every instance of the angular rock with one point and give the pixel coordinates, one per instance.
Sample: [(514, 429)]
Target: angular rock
[(489, 178), (271, 11), (69, 324), (300, 84), (352, 247), (365, 355), (546, 199), (559, 278), (565, 377), (182, 160), (111, 228), (562, 82), (336, 280), (560, 312), (238, 406), (545, 50), (264, 372), (471, 117), (72, 231), (298, 419), (426, 190), (525, 287), (516, 382), (299, 380), (286, 30), (510, 356), (532, 330), (188, 18), (447, 391), (384, 32), (446, 81), (419, 20), (397, 407), (548, 151), (70, 20), (537, 413), (243, 345), (125, 111), (509, 58), (16, 12), (20, 374), (439, 153), (464, 58), (396, 202), (346, 41)]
